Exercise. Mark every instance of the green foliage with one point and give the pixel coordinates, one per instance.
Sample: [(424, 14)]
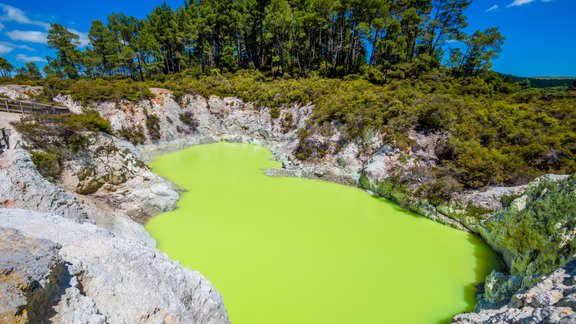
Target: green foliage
[(68, 58), (442, 189), (29, 72), (495, 138), (541, 82), (153, 126), (134, 135), (481, 48), (189, 120), (506, 200), (90, 120), (53, 139), (47, 164), (5, 67), (540, 233), (283, 38), (494, 132), (88, 91)]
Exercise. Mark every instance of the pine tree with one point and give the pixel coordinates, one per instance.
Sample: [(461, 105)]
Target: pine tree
[(105, 45), (5, 67), (68, 57)]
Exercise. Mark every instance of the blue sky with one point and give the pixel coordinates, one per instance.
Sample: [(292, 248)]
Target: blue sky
[(540, 34)]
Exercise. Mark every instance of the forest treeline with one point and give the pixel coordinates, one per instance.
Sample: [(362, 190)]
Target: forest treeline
[(540, 82), (286, 38)]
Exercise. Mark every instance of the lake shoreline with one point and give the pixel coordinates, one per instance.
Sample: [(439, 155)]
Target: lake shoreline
[(230, 170)]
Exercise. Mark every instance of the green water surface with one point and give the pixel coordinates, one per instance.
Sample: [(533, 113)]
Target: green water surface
[(289, 250)]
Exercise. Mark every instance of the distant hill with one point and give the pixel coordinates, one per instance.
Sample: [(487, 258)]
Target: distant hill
[(541, 82)]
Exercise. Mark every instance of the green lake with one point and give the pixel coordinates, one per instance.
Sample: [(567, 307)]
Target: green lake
[(290, 250)]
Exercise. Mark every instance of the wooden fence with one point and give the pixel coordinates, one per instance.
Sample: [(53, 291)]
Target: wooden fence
[(28, 107)]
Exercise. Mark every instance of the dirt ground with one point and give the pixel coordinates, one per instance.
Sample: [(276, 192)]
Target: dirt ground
[(6, 118)]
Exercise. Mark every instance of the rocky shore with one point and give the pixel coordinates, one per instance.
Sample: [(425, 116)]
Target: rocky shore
[(112, 192), (80, 273)]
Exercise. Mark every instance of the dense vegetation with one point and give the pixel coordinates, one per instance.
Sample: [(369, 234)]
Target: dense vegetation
[(538, 234), (54, 139), (541, 82), (369, 66)]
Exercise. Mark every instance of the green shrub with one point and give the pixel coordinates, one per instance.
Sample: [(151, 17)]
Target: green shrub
[(153, 126), (47, 164), (90, 120), (54, 139), (97, 90), (443, 188), (495, 132), (134, 135), (189, 120)]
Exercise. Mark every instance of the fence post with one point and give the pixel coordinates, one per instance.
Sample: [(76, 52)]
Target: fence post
[(7, 107), (21, 108)]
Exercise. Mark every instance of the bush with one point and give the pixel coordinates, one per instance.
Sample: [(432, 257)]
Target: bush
[(47, 164), (506, 200), (98, 90), (153, 125), (495, 132), (189, 120), (443, 188), (133, 135), (91, 121), (54, 139)]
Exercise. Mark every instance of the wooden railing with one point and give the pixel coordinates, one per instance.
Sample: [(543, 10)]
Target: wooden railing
[(29, 107)]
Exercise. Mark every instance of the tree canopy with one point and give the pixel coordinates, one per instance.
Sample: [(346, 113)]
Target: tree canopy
[(281, 37)]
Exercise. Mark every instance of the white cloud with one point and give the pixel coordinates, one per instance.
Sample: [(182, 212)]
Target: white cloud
[(6, 47), (517, 3), (494, 7), (84, 40), (28, 36), (13, 14), (16, 15), (26, 58), (26, 47)]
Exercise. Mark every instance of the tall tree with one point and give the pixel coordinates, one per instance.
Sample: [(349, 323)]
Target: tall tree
[(296, 37), (105, 45), (68, 57), (32, 71), (446, 22), (481, 48), (277, 25), (5, 67)]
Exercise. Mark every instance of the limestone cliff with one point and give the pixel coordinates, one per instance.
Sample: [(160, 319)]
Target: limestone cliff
[(65, 272), (85, 258)]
